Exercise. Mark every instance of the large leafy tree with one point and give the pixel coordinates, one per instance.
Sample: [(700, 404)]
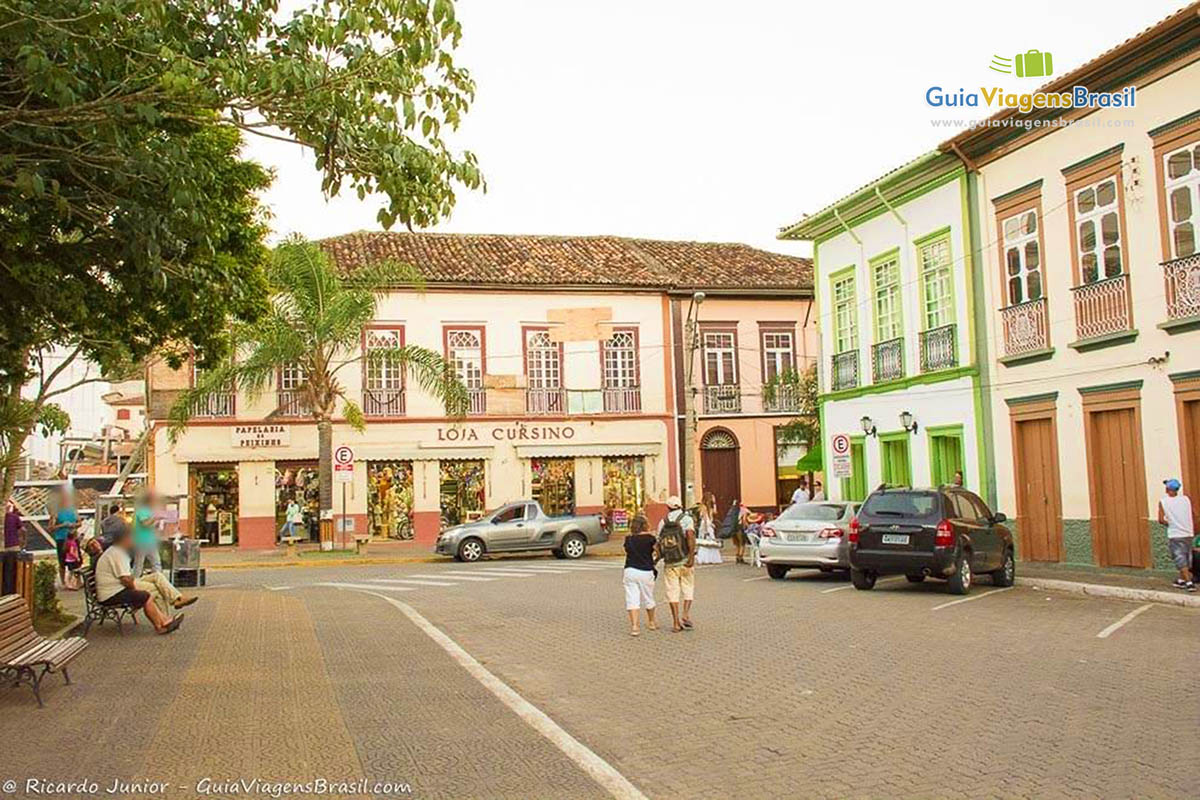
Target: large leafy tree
[(127, 219), (315, 325)]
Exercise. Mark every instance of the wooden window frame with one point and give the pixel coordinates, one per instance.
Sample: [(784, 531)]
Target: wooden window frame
[(919, 244), (730, 328), (525, 331), (482, 331), (382, 326), (845, 275), (637, 356), (890, 257), (1097, 169), (765, 328), (1184, 132), (1007, 207)]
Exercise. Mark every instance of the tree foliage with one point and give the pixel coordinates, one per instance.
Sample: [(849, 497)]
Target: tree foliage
[(799, 389)]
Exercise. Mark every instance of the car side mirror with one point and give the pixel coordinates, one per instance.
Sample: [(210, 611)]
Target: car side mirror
[(999, 517)]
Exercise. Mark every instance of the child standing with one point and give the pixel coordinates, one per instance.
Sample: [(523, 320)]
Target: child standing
[(72, 559)]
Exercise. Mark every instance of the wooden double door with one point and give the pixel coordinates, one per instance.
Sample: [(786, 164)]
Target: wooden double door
[(1117, 478), (720, 469), (1039, 493)]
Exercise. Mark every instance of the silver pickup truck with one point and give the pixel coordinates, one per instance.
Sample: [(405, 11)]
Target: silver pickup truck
[(522, 526)]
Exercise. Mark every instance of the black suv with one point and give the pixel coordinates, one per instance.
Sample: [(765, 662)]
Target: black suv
[(921, 533)]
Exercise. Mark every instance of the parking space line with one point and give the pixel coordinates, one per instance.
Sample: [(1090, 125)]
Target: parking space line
[(594, 765), (1111, 629), (459, 578), (972, 597), (411, 581), (507, 571), (759, 578), (851, 585), (491, 573), (370, 587), (558, 569)]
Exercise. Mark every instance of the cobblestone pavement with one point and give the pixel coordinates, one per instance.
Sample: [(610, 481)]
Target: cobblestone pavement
[(803, 687)]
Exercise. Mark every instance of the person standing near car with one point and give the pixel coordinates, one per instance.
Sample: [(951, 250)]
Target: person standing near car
[(638, 575), (677, 549), (1175, 511)]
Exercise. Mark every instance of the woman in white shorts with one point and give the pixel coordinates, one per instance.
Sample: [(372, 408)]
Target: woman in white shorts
[(638, 575)]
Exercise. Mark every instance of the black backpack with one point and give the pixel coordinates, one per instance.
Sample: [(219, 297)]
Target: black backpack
[(672, 541)]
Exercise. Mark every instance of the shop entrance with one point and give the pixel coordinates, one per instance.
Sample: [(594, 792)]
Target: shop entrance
[(298, 482), (554, 485), (214, 503), (624, 490), (390, 499), (462, 491), (720, 468)]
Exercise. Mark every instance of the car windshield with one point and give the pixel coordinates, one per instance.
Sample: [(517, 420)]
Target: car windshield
[(817, 512), (919, 505)]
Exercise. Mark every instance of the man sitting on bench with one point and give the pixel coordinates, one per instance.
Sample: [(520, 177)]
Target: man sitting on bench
[(114, 582)]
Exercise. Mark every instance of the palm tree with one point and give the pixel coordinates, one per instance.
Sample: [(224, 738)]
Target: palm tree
[(314, 327)]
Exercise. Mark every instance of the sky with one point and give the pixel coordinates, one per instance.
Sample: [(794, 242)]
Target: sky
[(706, 120)]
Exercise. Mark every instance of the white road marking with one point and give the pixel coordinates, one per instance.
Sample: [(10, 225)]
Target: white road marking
[(759, 578), (491, 574), (506, 571), (413, 582), (366, 586), (560, 568), (972, 597), (1111, 629), (457, 577), (275, 588), (601, 771), (851, 585)]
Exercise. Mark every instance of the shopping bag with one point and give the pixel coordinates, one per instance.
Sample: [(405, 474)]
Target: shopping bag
[(1034, 64)]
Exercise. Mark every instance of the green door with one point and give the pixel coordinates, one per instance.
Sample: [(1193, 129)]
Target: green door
[(945, 456), (855, 487), (893, 452)]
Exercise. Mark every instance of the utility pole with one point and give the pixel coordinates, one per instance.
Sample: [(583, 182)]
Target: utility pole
[(691, 338)]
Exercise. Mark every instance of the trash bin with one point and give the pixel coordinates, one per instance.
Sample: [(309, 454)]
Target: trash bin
[(185, 562)]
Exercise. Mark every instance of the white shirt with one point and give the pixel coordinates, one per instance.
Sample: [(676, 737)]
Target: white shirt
[(801, 495), (110, 568), (820, 495), (1177, 511), (685, 520)]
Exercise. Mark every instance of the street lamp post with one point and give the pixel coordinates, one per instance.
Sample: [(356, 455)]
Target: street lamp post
[(691, 337)]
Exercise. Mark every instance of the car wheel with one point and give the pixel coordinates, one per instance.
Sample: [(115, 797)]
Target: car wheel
[(574, 546), (1007, 574), (777, 571), (862, 579), (960, 581), (915, 578), (558, 553), (470, 550)]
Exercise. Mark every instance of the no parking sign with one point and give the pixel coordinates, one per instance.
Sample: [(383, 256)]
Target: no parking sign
[(343, 465), (841, 465)]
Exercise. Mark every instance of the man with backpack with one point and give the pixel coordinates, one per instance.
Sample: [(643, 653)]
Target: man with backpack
[(677, 548)]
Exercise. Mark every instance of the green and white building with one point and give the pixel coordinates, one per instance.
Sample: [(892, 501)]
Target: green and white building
[(899, 354)]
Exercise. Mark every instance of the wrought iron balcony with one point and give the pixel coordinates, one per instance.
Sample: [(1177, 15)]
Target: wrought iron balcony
[(781, 398), (939, 348), (217, 404), (623, 400), (724, 399), (1183, 287), (545, 401), (383, 402), (476, 402), (887, 360), (1026, 327), (845, 370), (1103, 307), (292, 403)]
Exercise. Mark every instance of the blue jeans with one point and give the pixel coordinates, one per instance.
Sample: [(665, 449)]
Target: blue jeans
[(141, 555), (289, 529)]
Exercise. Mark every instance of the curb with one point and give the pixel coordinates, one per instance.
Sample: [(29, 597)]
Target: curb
[(343, 562), (1115, 592)]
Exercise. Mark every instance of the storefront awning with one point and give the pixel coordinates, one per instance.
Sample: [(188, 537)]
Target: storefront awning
[(587, 450), (234, 455), (811, 461)]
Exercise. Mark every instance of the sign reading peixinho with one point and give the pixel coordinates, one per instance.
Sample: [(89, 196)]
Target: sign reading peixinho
[(517, 432), (261, 435)]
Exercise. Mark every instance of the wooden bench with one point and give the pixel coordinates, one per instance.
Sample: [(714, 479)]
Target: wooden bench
[(290, 541), (361, 540), (97, 612), (26, 657)]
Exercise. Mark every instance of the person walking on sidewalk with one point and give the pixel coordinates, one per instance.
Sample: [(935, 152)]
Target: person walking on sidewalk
[(1175, 511), (638, 575), (677, 549)]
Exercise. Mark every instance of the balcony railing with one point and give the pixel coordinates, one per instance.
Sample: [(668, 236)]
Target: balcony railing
[(292, 403), (476, 402), (725, 399), (1026, 327), (887, 360), (383, 402), (939, 349), (782, 399), (545, 401), (845, 370), (1102, 308), (622, 400), (217, 404), (1183, 287)]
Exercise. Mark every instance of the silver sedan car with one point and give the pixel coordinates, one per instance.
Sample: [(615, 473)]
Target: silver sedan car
[(811, 535)]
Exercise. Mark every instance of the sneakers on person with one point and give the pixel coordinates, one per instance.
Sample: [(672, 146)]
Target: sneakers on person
[(1190, 586), (1180, 583)]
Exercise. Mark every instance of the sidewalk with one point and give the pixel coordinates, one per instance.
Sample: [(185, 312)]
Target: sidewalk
[(1126, 584)]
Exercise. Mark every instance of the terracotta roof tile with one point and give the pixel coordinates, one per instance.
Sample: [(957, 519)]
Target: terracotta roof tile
[(496, 259)]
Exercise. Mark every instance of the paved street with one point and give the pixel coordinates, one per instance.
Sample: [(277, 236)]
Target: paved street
[(804, 687)]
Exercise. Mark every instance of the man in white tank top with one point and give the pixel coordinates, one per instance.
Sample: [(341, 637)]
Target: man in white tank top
[(1175, 511)]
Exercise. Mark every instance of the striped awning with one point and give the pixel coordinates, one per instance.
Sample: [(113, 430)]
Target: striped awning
[(588, 450)]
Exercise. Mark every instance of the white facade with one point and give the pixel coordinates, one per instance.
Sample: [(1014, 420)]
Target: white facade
[(88, 412)]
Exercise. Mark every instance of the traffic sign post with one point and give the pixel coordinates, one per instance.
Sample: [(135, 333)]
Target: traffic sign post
[(343, 473)]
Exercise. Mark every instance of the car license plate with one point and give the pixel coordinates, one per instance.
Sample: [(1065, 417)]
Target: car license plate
[(895, 538), (799, 537)]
